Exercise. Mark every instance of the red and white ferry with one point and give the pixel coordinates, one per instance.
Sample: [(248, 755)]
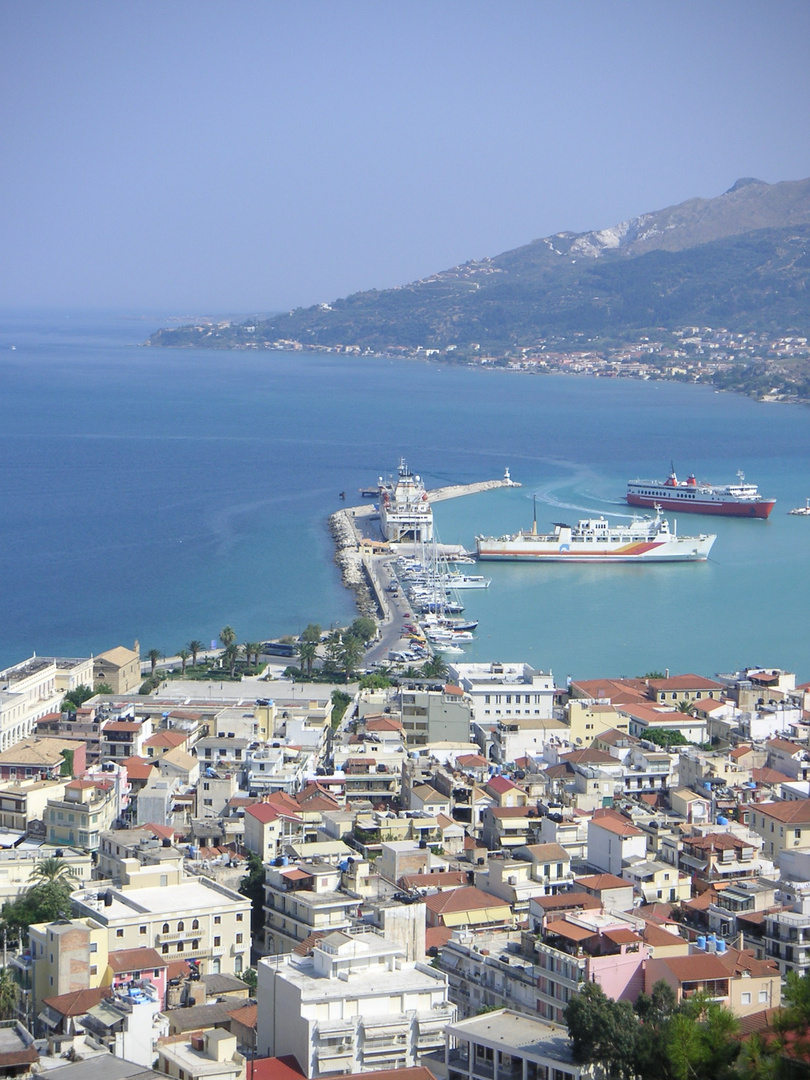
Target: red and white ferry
[(697, 497)]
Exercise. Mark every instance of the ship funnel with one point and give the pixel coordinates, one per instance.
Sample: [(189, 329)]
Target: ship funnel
[(534, 519)]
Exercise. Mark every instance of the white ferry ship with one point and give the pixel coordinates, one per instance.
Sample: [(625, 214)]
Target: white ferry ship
[(647, 539), (405, 513)]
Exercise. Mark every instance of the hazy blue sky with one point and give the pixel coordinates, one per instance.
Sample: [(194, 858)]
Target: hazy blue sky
[(247, 156)]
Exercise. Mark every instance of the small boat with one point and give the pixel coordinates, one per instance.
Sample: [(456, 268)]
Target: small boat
[(801, 511)]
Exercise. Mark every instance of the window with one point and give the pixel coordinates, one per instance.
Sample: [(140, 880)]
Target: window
[(217, 941), (93, 969), (763, 997), (165, 928), (119, 932), (239, 916), (141, 929), (93, 946), (238, 939), (164, 949), (181, 926), (217, 920), (745, 998), (195, 925)]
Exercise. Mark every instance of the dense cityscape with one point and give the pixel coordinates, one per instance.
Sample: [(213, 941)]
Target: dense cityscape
[(352, 851)]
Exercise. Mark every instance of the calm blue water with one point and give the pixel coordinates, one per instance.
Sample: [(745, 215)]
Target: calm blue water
[(158, 495)]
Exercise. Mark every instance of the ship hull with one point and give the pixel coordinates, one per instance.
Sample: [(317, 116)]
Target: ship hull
[(670, 551), (721, 508)]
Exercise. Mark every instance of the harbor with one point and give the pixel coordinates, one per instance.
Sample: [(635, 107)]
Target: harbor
[(371, 542)]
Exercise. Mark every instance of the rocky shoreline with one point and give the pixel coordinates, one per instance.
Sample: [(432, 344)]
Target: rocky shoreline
[(352, 567)]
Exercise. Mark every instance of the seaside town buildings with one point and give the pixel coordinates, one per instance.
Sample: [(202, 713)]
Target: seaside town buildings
[(490, 842)]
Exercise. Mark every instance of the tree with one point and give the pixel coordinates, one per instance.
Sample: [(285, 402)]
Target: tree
[(435, 667), (195, 647), (154, 655), (252, 886), (312, 633), (76, 697), (9, 993), (332, 650), (103, 688), (665, 737), (351, 651), (227, 636), (307, 652), (602, 1031), (230, 654), (340, 702), (43, 902), (252, 648), (52, 869), (687, 708), (184, 655), (363, 628), (376, 681)]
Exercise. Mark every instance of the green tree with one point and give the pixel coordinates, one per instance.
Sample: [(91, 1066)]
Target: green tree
[(687, 708), (665, 737), (184, 655), (195, 647), (52, 869), (376, 681), (76, 697), (602, 1031), (43, 902), (252, 648), (351, 652), (435, 667), (332, 648), (340, 702), (252, 886), (227, 636), (153, 656), (312, 633), (103, 688), (363, 628), (307, 652), (230, 654), (9, 993)]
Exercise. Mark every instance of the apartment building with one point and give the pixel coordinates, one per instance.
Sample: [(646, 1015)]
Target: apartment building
[(198, 920), (301, 899), (353, 1005)]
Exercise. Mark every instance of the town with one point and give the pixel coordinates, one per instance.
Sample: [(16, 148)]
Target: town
[(260, 879)]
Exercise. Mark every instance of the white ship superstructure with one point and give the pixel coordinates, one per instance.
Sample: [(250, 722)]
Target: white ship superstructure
[(405, 513), (646, 539)]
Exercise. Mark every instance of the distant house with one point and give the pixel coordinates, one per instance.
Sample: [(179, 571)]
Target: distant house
[(120, 668)]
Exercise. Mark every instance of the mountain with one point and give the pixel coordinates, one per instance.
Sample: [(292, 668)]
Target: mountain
[(740, 261)]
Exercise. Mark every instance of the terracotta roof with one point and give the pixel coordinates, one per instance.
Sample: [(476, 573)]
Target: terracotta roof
[(77, 1002), (454, 691), (557, 772), (769, 777), (467, 899), (472, 761), (785, 745), (794, 811), (619, 827), (685, 682), (169, 739), (138, 768), (717, 842), (616, 690), (143, 959), (275, 1068), (501, 784), (566, 900), (436, 936), (696, 967), (122, 725), (740, 961), (246, 1015), (549, 852), (561, 928), (383, 723), (657, 936), (598, 882), (622, 935), (589, 756)]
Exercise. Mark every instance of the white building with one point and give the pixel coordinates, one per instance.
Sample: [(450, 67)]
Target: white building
[(33, 688), (512, 691), (354, 1005)]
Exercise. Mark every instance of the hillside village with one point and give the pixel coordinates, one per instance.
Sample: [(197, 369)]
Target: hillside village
[(262, 886)]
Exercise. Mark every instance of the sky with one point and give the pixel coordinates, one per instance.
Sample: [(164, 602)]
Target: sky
[(241, 156)]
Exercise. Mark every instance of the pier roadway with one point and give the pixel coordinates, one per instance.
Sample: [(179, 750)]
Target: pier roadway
[(395, 608)]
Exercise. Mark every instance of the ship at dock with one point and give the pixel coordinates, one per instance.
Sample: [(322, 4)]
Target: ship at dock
[(698, 497), (405, 513), (594, 540)]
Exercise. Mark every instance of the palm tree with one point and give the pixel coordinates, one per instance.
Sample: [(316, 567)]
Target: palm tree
[(351, 650), (252, 648), (184, 655), (154, 655), (51, 869), (227, 636), (230, 654), (195, 647), (435, 667), (307, 652), (686, 707)]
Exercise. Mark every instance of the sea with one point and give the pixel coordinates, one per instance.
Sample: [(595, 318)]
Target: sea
[(157, 495)]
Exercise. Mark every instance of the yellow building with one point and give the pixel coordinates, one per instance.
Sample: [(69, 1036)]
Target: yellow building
[(67, 955), (120, 668), (587, 720), (782, 825)]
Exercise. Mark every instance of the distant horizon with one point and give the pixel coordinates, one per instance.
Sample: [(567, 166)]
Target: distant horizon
[(251, 158)]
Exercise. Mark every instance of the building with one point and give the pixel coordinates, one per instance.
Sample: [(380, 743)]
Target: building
[(354, 1005), (29, 691), (209, 1055), (198, 920), (511, 691), (782, 824), (506, 1044), (302, 899), (119, 668), (430, 716), (612, 840), (86, 810)]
